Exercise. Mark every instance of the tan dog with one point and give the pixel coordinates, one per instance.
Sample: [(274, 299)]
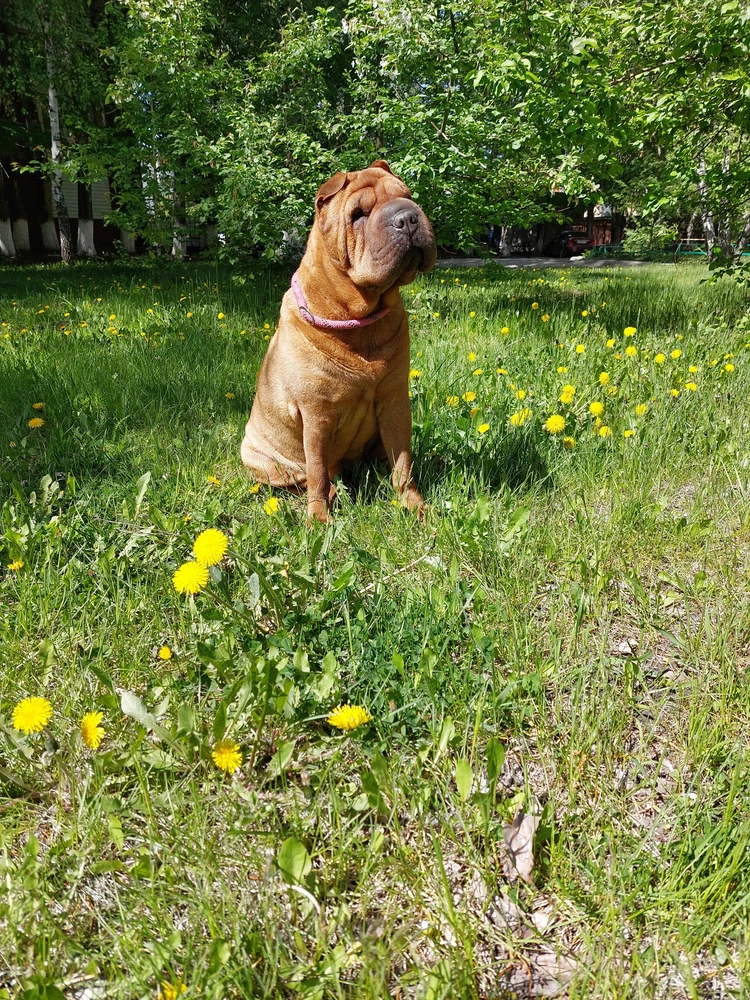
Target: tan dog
[(334, 385)]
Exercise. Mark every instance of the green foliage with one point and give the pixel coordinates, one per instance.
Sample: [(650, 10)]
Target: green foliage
[(641, 238)]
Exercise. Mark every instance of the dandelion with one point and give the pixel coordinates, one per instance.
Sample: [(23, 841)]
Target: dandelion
[(676, 354), (630, 331), (451, 400), (227, 756), (501, 371), (36, 422), (631, 350), (471, 356), (521, 394), (534, 305), (15, 565), (693, 369), (165, 653), (31, 715), (436, 315), (562, 370), (659, 359), (254, 488), (473, 411), (221, 316), (266, 326), (519, 418), (469, 397), (585, 312), (91, 731), (415, 373), (228, 395), (271, 506), (209, 547), (569, 443), (729, 368), (37, 406), (604, 431), (545, 318), (189, 315), (472, 315), (554, 424), (580, 348), (611, 342), (170, 992), (112, 316), (692, 386), (566, 396), (190, 578), (505, 331), (603, 378), (483, 428), (628, 433), (477, 371), (674, 393), (348, 717), (641, 409), (596, 408), (213, 480)]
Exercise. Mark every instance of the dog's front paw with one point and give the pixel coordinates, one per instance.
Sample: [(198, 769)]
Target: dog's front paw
[(317, 510)]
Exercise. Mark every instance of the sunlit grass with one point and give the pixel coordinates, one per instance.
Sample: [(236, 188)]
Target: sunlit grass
[(578, 597)]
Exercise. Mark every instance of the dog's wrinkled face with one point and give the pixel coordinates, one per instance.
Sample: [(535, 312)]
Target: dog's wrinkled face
[(372, 229)]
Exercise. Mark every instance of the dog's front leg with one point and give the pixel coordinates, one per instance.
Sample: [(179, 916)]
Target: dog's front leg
[(394, 422), (317, 429)]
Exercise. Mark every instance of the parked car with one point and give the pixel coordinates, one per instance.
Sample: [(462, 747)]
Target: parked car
[(568, 244)]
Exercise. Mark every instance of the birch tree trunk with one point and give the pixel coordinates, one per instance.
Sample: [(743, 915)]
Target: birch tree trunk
[(7, 246), (66, 243), (86, 246)]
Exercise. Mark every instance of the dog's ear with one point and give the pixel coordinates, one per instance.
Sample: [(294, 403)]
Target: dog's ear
[(381, 165), (330, 188)]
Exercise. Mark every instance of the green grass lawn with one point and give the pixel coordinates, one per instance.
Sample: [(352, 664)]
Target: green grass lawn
[(566, 635)]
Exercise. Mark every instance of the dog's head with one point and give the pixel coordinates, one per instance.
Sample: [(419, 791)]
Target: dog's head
[(372, 228)]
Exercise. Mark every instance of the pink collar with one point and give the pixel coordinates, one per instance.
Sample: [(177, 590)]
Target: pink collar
[(331, 324)]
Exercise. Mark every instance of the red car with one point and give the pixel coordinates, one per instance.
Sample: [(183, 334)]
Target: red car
[(568, 244)]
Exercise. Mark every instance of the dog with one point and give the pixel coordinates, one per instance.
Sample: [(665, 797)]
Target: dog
[(334, 384)]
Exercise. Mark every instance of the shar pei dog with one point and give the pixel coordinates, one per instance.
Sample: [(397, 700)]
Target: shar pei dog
[(334, 384)]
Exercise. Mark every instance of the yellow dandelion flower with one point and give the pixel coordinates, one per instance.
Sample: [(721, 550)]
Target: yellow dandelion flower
[(630, 331), (659, 359), (15, 565), (505, 331), (693, 369), (415, 373), (436, 315), (477, 371), (631, 350), (604, 431), (210, 546), (628, 433), (554, 424), (227, 756), (676, 354), (729, 367), (580, 348), (254, 488), (170, 992), (471, 356), (534, 305), (521, 394), (36, 422), (519, 418), (112, 316), (213, 480), (473, 411), (472, 315), (91, 731), (451, 400), (190, 578), (692, 386), (545, 318), (271, 506), (674, 393), (31, 715), (189, 315), (228, 395), (221, 316), (37, 406), (348, 717), (603, 378), (596, 408), (266, 326), (165, 653), (611, 342), (641, 409), (569, 442), (483, 428), (566, 398), (501, 371), (585, 312), (562, 370), (469, 397)]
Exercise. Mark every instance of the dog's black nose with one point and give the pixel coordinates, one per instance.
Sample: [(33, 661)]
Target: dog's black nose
[(407, 219)]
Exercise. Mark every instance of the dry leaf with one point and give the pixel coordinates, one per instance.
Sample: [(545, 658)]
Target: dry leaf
[(519, 839)]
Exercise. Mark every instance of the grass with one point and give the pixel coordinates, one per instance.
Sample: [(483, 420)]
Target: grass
[(567, 635)]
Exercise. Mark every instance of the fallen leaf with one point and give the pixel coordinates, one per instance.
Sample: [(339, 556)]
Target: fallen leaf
[(519, 839)]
